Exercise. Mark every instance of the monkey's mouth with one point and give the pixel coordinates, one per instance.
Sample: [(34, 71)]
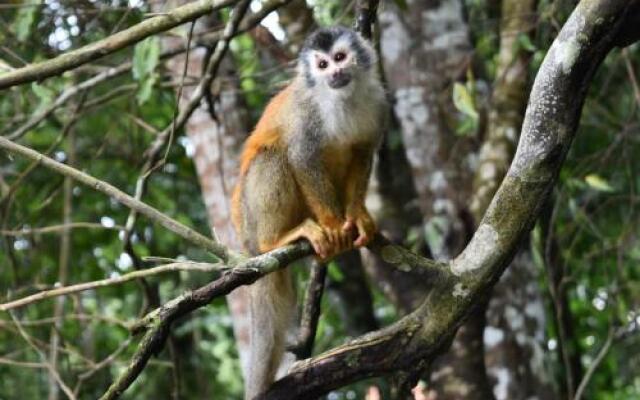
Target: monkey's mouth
[(339, 80)]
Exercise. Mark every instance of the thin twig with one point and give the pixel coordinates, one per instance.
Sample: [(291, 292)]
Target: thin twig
[(100, 365), (202, 40), (594, 365), (43, 357), (179, 120), (61, 291), (158, 322), (21, 364), (176, 227), (632, 75), (57, 228)]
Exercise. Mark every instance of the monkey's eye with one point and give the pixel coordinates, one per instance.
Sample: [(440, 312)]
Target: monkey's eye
[(339, 56), (322, 64)]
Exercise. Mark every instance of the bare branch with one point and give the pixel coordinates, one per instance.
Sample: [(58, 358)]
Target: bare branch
[(153, 153), (595, 364), (206, 39), (310, 312), (550, 124), (81, 287), (174, 226), (159, 321), (58, 228), (67, 391)]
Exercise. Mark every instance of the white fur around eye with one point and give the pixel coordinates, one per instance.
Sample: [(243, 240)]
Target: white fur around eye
[(314, 59)]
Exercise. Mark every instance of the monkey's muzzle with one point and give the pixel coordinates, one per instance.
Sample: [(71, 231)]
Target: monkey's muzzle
[(339, 79)]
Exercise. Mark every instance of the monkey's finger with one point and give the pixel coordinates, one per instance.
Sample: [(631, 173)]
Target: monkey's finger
[(336, 247), (348, 225), (347, 240), (316, 244), (364, 234), (318, 240)]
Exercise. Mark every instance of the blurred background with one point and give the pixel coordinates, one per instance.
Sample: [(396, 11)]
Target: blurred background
[(562, 323)]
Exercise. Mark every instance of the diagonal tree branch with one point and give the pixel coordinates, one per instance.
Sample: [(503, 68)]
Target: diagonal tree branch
[(174, 226), (250, 22), (550, 124), (81, 287), (108, 45), (158, 322)]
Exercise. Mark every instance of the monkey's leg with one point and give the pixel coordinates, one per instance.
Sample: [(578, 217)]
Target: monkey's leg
[(272, 207)]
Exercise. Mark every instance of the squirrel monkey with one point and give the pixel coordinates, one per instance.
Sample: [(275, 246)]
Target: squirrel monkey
[(303, 174)]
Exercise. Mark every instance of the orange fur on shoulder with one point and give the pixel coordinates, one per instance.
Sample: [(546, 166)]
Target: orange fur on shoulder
[(267, 132)]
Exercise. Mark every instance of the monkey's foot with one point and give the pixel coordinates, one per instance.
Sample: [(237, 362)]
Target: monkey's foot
[(326, 242), (361, 221)]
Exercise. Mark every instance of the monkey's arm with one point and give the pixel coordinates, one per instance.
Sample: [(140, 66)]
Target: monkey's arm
[(315, 183), (320, 195), (356, 189)]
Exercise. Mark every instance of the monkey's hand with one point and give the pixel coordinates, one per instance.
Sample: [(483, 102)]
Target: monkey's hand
[(327, 240), (337, 239), (360, 220)]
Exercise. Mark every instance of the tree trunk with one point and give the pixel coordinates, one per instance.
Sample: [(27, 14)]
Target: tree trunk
[(216, 145)]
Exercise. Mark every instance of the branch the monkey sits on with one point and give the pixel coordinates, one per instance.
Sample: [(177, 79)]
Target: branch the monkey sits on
[(304, 174)]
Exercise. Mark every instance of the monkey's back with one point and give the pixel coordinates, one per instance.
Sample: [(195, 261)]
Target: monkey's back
[(266, 200)]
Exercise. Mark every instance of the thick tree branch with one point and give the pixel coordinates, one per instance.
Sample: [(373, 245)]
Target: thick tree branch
[(110, 44), (158, 322), (550, 124), (310, 312)]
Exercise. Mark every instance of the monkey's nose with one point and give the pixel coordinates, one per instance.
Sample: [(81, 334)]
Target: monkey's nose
[(339, 79)]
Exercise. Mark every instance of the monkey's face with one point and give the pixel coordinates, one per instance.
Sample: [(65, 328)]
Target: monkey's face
[(334, 68), (334, 57)]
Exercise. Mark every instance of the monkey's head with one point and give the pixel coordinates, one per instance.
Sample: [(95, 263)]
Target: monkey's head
[(335, 57)]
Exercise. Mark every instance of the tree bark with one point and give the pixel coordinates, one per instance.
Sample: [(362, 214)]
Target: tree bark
[(515, 336), (550, 123), (425, 49)]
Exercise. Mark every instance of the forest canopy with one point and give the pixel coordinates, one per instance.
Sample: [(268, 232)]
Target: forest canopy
[(505, 192)]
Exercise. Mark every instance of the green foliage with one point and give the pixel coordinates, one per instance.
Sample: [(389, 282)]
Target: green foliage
[(463, 100), (146, 55), (24, 21), (594, 223)]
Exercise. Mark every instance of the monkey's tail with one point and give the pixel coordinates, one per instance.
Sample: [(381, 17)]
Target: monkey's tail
[(273, 309)]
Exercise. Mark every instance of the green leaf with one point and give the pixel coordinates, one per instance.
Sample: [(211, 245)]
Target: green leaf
[(44, 94), (598, 183), (463, 100), (145, 58), (524, 42), (146, 88), (24, 21), (467, 127), (402, 4), (334, 272)]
